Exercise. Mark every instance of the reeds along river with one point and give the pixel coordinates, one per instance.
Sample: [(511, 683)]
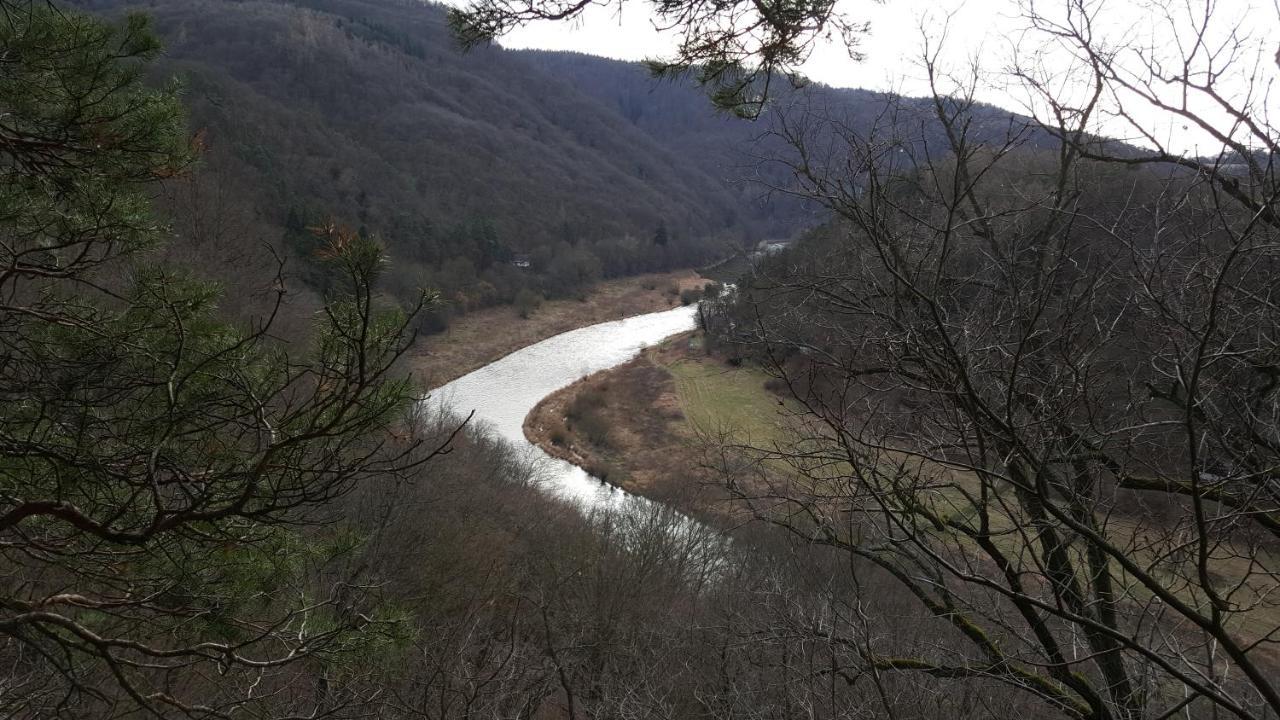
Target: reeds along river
[(503, 392)]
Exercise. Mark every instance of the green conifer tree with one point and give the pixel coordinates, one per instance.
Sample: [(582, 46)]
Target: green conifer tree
[(156, 463)]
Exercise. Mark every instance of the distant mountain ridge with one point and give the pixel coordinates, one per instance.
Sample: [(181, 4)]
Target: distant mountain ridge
[(367, 113), (367, 108)]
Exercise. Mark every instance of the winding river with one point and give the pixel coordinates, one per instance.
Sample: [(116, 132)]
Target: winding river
[(503, 392)]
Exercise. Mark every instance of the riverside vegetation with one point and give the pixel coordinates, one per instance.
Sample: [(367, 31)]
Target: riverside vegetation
[(1026, 463), (1032, 371)]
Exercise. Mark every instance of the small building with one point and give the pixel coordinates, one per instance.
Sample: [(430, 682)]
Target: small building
[(520, 261)]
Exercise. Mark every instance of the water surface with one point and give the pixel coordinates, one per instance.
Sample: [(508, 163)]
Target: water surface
[(503, 392)]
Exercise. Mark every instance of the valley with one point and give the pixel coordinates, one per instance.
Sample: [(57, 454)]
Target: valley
[(480, 337), (646, 425), (354, 366)]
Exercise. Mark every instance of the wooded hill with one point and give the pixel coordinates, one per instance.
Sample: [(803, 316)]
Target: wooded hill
[(366, 112)]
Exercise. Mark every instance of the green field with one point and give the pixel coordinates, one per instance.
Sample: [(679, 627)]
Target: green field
[(718, 398)]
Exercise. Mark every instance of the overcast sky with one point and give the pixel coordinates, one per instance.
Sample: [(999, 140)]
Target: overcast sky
[(987, 30), (630, 34)]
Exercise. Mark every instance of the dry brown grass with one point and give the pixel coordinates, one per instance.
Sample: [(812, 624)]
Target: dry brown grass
[(478, 338), (650, 447)]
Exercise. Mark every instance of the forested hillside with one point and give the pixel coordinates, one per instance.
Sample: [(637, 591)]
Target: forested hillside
[(1000, 438), (676, 113), (366, 112)]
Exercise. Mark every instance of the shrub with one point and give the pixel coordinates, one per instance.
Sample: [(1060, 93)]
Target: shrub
[(690, 296), (598, 468), (584, 414), (558, 435), (594, 428), (586, 402), (526, 302), (775, 386)]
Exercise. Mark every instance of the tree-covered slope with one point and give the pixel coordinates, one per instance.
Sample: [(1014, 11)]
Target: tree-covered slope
[(367, 110)]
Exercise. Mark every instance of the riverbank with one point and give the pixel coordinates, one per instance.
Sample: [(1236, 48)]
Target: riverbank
[(480, 337), (642, 426)]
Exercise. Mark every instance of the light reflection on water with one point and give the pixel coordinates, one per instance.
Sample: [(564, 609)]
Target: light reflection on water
[(503, 392)]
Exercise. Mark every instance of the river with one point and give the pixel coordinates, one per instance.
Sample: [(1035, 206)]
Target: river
[(503, 392)]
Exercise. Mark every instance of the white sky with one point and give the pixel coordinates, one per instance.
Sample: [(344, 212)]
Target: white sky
[(981, 30), (629, 34)]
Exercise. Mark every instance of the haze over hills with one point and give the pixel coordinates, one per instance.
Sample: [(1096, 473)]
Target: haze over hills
[(367, 113), (367, 109), (366, 379)]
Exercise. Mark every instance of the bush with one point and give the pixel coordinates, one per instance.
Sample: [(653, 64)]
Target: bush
[(599, 469), (526, 302), (775, 386), (584, 414), (586, 402), (690, 296), (558, 435), (594, 428), (432, 321)]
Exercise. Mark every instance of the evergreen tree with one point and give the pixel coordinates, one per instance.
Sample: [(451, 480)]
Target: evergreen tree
[(660, 236), (156, 464)]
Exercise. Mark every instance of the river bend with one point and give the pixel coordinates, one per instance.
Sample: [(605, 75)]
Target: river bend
[(503, 392)]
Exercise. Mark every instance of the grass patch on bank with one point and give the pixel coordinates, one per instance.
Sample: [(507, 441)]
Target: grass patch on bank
[(719, 398)]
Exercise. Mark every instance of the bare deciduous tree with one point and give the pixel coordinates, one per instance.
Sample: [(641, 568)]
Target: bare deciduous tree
[(1039, 387)]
